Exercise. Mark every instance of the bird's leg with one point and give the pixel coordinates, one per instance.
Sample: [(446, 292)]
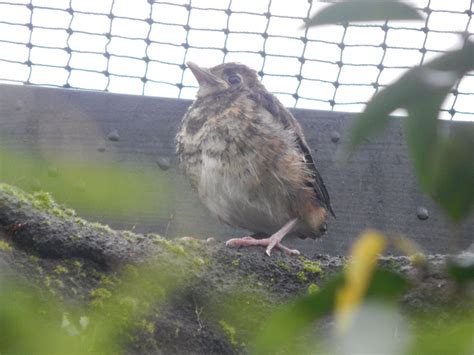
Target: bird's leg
[(276, 238), (271, 242)]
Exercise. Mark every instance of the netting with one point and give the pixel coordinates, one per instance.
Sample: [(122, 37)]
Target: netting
[(141, 47)]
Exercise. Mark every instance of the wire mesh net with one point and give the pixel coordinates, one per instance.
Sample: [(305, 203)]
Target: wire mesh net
[(141, 47)]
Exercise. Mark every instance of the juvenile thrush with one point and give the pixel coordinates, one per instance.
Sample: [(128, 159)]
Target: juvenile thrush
[(248, 159)]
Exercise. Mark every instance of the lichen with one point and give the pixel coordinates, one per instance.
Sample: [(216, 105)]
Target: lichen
[(5, 246), (229, 331)]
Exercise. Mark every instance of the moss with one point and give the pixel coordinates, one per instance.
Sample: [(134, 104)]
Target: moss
[(47, 281), (313, 267), (75, 237), (58, 212), (99, 296), (51, 283), (131, 271), (236, 262), (147, 326), (42, 200), (169, 245), (312, 289), (154, 236), (34, 258), (61, 270), (127, 235), (78, 264), (5, 246), (69, 212), (58, 283), (101, 227), (199, 261), (7, 189), (302, 276), (107, 281), (80, 221), (417, 259), (283, 265), (229, 331), (18, 194)]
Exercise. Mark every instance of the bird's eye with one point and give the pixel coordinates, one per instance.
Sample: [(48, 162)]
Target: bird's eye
[(234, 79)]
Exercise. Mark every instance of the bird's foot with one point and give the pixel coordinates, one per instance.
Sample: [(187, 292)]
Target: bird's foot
[(269, 243)]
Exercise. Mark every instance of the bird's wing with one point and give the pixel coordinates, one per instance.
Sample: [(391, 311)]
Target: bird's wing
[(277, 110)]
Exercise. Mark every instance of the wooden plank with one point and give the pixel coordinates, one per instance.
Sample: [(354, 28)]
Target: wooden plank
[(375, 189)]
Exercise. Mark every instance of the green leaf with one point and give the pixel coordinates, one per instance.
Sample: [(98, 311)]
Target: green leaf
[(386, 285), (117, 189), (287, 325), (453, 335), (443, 164), (451, 178), (421, 132), (364, 11), (417, 89), (412, 90)]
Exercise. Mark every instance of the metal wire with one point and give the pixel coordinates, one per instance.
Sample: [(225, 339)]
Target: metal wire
[(11, 67)]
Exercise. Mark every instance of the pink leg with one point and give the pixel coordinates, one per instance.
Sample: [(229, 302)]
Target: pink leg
[(270, 243)]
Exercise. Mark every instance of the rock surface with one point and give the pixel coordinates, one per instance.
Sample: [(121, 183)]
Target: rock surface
[(196, 297)]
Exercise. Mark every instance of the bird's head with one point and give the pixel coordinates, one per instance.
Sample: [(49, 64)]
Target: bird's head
[(227, 77)]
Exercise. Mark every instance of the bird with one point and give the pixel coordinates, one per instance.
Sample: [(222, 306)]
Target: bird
[(246, 156)]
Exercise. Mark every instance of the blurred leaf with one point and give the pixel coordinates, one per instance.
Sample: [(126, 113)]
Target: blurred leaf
[(452, 172), (451, 336), (461, 269), (105, 187), (31, 323), (421, 132), (411, 91), (364, 11), (443, 163), (417, 89), (287, 325), (359, 273), (386, 286)]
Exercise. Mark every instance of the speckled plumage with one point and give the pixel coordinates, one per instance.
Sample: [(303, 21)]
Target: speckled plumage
[(246, 156)]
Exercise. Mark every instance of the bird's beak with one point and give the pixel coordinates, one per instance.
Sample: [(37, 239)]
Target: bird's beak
[(202, 75)]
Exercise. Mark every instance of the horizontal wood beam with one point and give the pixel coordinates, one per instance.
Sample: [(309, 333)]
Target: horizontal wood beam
[(376, 188)]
